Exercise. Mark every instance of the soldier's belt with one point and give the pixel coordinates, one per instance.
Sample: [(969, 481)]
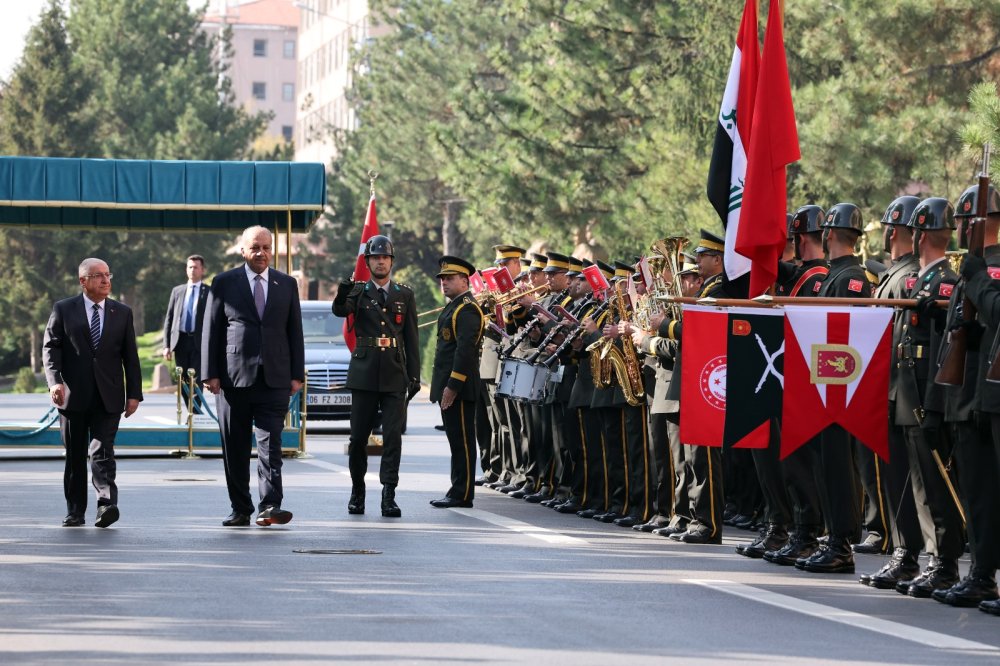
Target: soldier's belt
[(911, 351), (377, 342)]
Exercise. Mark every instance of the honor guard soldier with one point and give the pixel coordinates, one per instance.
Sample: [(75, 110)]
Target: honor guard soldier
[(833, 464), (455, 379), (900, 511), (974, 424), (385, 367), (921, 402)]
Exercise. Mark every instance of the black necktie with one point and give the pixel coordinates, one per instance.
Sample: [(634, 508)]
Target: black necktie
[(381, 296)]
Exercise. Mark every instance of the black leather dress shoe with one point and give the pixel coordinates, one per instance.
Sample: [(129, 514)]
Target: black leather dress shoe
[(697, 537), (495, 485), (971, 591), (587, 513), (539, 497), (834, 557), (273, 516), (742, 521), (509, 488), (872, 545), (480, 480), (73, 521), (448, 503), (607, 517), (389, 507), (773, 537), (625, 521), (236, 519), (902, 567), (801, 544), (356, 504), (669, 530), (107, 515), (940, 574), (522, 492), (654, 523), (991, 607), (569, 506)]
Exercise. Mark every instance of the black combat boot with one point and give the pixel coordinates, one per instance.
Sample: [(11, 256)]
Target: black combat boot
[(389, 507), (901, 568), (800, 545), (773, 537), (356, 505), (835, 556), (975, 588)]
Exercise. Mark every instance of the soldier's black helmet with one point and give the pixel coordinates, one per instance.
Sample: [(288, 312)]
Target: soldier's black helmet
[(807, 220), (899, 211), (844, 216), (966, 204), (932, 214), (379, 246)]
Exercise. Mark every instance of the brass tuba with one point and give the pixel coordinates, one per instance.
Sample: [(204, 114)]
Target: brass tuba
[(669, 252)]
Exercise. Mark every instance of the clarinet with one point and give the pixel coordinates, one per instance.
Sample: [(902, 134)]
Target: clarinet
[(516, 340), (573, 335)]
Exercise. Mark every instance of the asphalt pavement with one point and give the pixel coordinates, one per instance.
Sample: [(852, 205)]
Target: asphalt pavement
[(505, 582)]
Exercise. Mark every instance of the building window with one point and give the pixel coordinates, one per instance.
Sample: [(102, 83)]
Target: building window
[(289, 51), (260, 48), (286, 132), (259, 90), (288, 92)]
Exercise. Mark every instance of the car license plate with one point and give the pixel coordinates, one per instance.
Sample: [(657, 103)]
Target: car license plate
[(329, 399)]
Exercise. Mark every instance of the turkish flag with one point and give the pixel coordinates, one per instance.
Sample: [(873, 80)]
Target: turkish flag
[(837, 371), (361, 272), (703, 375), (774, 144)]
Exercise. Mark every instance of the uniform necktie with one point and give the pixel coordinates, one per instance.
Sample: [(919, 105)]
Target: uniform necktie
[(258, 296), (95, 326), (189, 310), (381, 296)]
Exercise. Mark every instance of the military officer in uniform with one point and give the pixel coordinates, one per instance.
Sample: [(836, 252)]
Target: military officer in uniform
[(455, 378), (833, 464), (904, 529), (385, 365)]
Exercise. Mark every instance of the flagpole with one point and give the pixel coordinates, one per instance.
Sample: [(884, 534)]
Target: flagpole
[(766, 301)]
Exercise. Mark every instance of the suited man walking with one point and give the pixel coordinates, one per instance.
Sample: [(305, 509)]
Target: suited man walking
[(92, 369), (385, 365), (182, 327), (253, 359)]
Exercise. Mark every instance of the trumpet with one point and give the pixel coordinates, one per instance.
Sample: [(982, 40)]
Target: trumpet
[(514, 294)]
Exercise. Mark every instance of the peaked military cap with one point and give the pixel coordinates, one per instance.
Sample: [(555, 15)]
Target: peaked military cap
[(623, 269), (709, 242), (505, 252), (606, 269), (538, 262), (575, 267), (557, 263), (454, 266)]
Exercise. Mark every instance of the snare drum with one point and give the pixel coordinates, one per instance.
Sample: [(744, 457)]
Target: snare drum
[(521, 380), (489, 361)]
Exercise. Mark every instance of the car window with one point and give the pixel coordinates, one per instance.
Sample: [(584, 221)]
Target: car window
[(322, 327)]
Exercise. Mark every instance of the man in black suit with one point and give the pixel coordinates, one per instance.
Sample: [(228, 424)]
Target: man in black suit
[(182, 327), (253, 359), (385, 365), (92, 369), (455, 379)]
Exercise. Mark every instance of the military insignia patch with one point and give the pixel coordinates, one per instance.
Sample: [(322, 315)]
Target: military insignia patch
[(911, 282), (967, 206), (946, 289), (855, 285), (921, 219), (741, 327), (895, 214), (817, 287), (994, 272), (834, 364), (446, 334)]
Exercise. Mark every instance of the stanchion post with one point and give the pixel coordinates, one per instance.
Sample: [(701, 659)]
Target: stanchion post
[(190, 407), (179, 376), (303, 401)]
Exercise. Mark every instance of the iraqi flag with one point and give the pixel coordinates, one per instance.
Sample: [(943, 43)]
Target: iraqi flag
[(361, 272), (703, 375), (837, 371), (755, 380), (774, 145), (727, 171)]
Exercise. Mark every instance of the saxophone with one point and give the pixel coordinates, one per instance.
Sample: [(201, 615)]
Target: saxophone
[(628, 369)]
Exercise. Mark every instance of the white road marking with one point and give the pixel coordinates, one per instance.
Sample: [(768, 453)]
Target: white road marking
[(850, 618), (540, 533), (340, 469)]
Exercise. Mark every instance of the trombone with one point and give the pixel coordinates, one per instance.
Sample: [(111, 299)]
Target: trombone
[(488, 300)]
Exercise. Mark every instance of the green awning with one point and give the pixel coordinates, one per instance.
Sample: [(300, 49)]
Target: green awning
[(159, 195)]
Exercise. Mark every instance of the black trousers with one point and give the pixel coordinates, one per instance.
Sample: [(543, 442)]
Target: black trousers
[(803, 486), (491, 458), (900, 510), (663, 462), (976, 457), (459, 426), (777, 505), (616, 480), (639, 466), (595, 473), (835, 475), (705, 492), (871, 472), (487, 427), (365, 407), (89, 435), (571, 453), (940, 522), (256, 413)]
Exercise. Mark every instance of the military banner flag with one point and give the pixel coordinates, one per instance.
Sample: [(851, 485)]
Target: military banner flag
[(837, 371), (361, 272), (754, 381), (727, 170), (703, 375)]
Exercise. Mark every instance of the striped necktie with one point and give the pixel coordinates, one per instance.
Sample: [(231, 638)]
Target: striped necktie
[(95, 326)]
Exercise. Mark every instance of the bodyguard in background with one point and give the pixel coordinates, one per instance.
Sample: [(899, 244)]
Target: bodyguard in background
[(455, 379), (182, 326), (253, 359), (92, 369), (385, 365)]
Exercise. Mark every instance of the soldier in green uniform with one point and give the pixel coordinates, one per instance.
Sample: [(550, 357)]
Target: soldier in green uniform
[(455, 378), (385, 365)]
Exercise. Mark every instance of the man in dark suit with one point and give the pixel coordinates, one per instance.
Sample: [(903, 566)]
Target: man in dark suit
[(455, 379), (182, 327), (385, 365), (253, 359), (92, 369)]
